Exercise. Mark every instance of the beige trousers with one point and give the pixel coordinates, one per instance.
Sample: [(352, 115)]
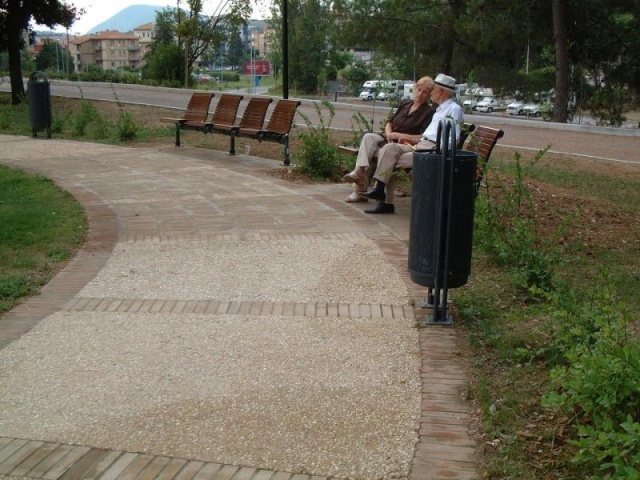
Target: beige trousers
[(392, 156)]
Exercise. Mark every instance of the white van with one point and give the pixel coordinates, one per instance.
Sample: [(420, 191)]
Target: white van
[(368, 93), (388, 88), (407, 91)]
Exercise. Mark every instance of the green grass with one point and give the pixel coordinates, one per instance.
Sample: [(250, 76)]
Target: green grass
[(514, 334), (41, 226), (72, 119)]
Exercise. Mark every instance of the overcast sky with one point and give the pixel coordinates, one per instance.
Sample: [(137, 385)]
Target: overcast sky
[(97, 11)]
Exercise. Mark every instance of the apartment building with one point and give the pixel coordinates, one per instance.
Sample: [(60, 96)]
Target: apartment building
[(146, 34), (109, 50)]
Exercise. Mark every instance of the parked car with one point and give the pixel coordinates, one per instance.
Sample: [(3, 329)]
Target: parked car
[(471, 103), (532, 110), (515, 108), (203, 77), (489, 105), (387, 96), (368, 94)]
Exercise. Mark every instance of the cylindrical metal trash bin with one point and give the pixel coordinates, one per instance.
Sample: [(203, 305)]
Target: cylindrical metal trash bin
[(39, 94), (430, 176)]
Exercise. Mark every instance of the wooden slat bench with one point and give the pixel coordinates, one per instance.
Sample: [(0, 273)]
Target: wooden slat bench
[(482, 142), (278, 127), (197, 112), (465, 131), (252, 119), (225, 114)]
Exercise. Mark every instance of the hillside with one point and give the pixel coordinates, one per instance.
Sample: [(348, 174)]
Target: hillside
[(129, 18)]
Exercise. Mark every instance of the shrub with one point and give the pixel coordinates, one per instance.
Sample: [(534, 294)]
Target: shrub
[(318, 157), (88, 113), (127, 128), (598, 382), (507, 229)]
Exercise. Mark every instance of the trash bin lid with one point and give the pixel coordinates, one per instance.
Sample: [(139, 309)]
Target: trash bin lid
[(38, 76)]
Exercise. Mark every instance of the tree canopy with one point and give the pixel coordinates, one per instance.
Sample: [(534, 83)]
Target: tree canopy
[(521, 45), (15, 19), (193, 32)]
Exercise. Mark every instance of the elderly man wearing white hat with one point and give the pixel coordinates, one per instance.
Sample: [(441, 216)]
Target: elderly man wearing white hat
[(401, 154)]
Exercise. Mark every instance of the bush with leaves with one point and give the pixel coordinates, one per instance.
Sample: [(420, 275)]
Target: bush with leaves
[(598, 381), (317, 156), (88, 113), (507, 229), (127, 128), (608, 104)]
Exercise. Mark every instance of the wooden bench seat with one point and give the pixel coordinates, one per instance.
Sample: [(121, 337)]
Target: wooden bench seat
[(278, 127), (482, 142), (252, 119), (465, 131), (225, 114), (196, 113)]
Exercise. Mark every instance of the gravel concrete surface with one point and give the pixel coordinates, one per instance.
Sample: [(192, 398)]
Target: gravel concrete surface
[(325, 396)]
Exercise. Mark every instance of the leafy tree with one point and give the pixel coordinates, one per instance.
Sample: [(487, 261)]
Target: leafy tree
[(428, 31), (274, 37), (356, 74), (236, 49), (15, 18), (310, 24), (53, 56), (200, 32), (559, 8), (523, 45), (165, 64), (195, 33), (166, 21)]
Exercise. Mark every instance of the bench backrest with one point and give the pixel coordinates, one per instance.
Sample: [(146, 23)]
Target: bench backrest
[(282, 116), (254, 113), (482, 142), (198, 107), (465, 131), (227, 109)]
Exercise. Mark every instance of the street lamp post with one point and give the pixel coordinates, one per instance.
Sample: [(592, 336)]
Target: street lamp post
[(253, 68)]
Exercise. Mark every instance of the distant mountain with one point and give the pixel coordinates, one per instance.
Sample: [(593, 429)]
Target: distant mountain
[(129, 18)]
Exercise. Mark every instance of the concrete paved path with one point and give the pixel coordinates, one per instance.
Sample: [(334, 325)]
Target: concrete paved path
[(221, 323)]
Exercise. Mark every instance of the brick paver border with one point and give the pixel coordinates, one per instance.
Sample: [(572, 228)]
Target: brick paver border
[(444, 449)]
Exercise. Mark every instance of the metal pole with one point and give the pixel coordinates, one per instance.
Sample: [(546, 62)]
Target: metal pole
[(68, 55), (285, 49), (253, 67)]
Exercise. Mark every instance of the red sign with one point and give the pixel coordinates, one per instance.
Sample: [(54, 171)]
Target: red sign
[(257, 67)]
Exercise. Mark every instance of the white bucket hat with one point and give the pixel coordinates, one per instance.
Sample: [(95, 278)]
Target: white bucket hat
[(445, 82)]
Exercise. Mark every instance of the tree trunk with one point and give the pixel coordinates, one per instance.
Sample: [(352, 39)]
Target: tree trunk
[(562, 61), (15, 67), (449, 36)]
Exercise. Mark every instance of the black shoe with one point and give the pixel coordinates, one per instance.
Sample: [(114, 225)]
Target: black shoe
[(376, 194), (382, 208)]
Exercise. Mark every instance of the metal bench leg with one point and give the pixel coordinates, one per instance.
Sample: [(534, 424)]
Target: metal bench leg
[(232, 144), (177, 134), (287, 161)]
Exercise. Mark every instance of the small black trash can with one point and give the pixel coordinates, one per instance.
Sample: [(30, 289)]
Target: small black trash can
[(430, 204), (39, 94)]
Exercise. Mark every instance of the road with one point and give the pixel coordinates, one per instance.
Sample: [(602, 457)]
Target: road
[(601, 143)]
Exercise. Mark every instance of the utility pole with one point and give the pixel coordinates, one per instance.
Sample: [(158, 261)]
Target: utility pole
[(285, 49), (68, 54)]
